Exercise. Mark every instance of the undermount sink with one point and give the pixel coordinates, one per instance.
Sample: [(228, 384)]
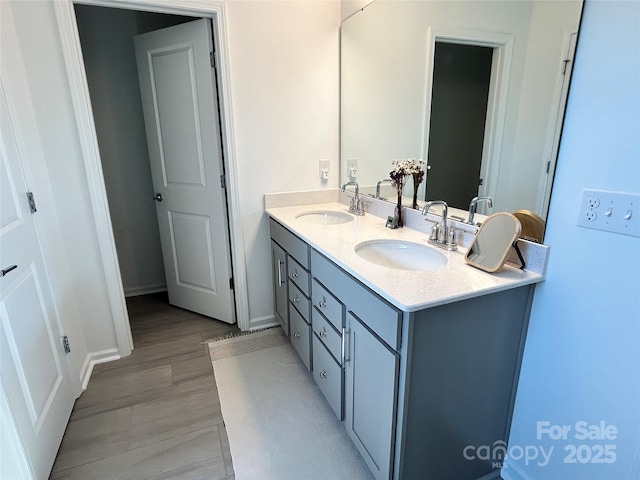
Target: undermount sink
[(401, 255), (325, 217)]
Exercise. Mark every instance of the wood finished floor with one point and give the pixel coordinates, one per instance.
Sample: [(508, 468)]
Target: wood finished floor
[(155, 414)]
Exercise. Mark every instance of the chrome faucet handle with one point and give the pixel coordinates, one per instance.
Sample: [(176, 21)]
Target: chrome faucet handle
[(443, 234), (452, 240), (435, 231)]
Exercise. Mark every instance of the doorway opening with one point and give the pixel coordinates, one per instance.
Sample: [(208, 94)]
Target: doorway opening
[(460, 93), (490, 53), (159, 246)]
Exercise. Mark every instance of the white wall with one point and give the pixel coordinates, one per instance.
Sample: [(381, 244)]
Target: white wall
[(349, 7), (582, 357), (107, 35), (284, 60)]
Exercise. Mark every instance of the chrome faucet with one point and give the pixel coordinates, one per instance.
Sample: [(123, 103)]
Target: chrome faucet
[(384, 180), (441, 235), (473, 206), (356, 206)]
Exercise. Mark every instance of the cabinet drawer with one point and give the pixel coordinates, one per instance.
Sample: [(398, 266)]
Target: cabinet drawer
[(300, 337), (327, 304), (327, 334), (299, 275), (296, 247), (300, 301), (328, 376), (379, 315)]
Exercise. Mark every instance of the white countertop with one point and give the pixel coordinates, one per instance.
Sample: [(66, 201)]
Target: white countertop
[(408, 290)]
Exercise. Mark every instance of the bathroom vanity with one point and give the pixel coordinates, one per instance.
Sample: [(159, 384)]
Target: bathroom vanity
[(417, 364)]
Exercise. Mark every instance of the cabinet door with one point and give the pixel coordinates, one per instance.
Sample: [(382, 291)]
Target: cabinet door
[(279, 259), (371, 372)]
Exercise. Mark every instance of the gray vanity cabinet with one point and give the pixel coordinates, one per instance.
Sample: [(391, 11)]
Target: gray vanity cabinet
[(371, 335), (416, 390), (370, 396), (327, 318), (292, 288)]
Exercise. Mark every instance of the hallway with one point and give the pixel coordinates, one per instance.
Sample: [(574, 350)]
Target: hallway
[(154, 414)]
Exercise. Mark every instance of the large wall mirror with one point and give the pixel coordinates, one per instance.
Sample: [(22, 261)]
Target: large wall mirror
[(475, 88)]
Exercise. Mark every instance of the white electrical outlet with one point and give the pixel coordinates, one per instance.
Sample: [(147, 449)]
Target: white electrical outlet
[(324, 168), (616, 212), (352, 168)]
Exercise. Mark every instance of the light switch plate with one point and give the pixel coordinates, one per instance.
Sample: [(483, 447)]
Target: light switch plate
[(616, 212)]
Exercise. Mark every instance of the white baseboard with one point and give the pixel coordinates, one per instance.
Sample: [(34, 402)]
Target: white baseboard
[(94, 359), (134, 292), (263, 322)]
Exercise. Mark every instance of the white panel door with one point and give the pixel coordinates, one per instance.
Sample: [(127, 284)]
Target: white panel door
[(34, 372), (180, 106)]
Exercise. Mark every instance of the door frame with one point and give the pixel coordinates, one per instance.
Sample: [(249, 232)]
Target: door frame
[(556, 119), (79, 91), (502, 45)]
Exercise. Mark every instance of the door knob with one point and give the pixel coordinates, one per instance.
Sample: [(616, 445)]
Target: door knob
[(157, 197)]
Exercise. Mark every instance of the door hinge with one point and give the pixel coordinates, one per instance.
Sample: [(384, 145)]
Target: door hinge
[(32, 202), (65, 343), (231, 284), (564, 66), (223, 181), (212, 59), (548, 166), (480, 182)]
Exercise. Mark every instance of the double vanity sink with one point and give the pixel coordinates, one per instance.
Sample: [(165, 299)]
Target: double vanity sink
[(416, 352), (399, 265), (387, 252)]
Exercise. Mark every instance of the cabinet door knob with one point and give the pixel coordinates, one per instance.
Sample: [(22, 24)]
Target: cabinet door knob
[(294, 275), (296, 335), (323, 374), (322, 333), (322, 303), (296, 299)]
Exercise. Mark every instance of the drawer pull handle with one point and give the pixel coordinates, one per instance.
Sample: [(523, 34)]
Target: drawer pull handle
[(323, 374), (343, 347), (322, 333), (280, 263), (322, 303), (296, 335)]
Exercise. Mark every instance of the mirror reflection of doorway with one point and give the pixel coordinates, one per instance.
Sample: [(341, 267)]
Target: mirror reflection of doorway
[(460, 92)]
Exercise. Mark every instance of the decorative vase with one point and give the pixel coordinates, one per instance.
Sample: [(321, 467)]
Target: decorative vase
[(416, 183), (397, 212)]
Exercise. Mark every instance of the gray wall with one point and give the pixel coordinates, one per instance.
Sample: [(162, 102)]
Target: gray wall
[(582, 361)]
